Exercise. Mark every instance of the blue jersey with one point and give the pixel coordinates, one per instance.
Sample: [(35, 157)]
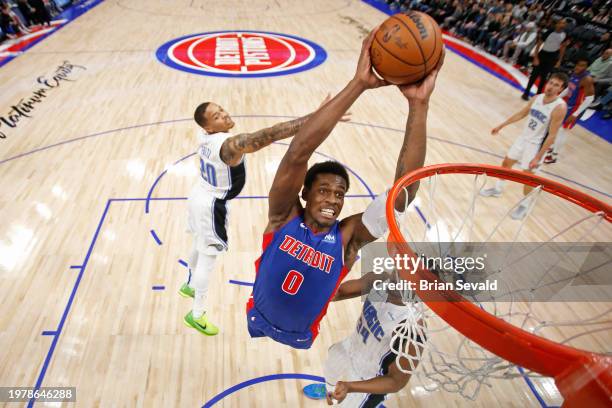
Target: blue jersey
[(297, 276), (575, 95)]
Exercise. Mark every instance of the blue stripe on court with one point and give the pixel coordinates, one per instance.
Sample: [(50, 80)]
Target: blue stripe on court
[(258, 380), (155, 237), (237, 282)]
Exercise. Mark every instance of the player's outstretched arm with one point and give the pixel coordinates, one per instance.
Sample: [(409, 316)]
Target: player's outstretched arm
[(235, 147), (514, 118), (357, 287), (390, 383), (361, 229), (283, 198)]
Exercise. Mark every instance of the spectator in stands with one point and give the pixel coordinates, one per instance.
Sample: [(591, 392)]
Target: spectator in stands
[(523, 44), (596, 48), (519, 10), (549, 50), (510, 31), (41, 14), (601, 71), (491, 27), (603, 17), (26, 11), (10, 23)]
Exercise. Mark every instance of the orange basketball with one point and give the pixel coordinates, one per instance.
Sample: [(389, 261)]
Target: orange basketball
[(406, 47)]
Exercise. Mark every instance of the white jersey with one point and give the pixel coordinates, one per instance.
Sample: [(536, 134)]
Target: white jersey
[(370, 344), (222, 181), (538, 122)]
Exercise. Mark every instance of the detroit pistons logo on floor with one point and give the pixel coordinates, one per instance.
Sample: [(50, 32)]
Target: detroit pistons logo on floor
[(241, 54)]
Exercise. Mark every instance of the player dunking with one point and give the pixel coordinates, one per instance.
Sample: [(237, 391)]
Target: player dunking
[(578, 95), (222, 177), (546, 112), (306, 251)]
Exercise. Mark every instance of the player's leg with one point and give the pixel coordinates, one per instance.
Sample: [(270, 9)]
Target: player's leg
[(186, 289), (529, 152), (510, 160), (201, 223), (201, 277), (553, 152)]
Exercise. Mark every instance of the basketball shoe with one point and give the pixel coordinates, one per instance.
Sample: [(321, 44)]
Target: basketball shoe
[(186, 291), (201, 324), (519, 213), (490, 192)]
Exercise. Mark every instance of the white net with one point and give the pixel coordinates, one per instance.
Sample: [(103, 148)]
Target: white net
[(549, 285)]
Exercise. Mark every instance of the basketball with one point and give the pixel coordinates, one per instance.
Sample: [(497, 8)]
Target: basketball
[(406, 47)]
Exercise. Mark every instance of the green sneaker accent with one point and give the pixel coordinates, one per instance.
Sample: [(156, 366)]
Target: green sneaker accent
[(186, 291), (202, 324)]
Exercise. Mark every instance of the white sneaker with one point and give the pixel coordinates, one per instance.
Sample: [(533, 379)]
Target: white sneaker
[(519, 213), (490, 192)]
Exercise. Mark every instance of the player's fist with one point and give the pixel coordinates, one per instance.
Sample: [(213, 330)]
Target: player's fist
[(496, 130), (534, 163), (340, 391)]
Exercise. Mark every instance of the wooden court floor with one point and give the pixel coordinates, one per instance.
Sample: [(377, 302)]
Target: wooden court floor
[(81, 247)]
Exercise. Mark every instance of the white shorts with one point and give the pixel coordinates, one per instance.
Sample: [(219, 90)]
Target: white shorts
[(338, 367), (523, 151), (207, 220)]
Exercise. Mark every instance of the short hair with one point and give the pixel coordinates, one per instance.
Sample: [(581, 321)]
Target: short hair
[(198, 115), (327, 167), (583, 56), (561, 76)]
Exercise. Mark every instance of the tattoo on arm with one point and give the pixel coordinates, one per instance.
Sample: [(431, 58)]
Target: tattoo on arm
[(243, 143)]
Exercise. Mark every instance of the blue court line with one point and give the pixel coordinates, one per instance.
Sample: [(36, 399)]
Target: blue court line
[(282, 117), (48, 333), (76, 266), (183, 263), (60, 326), (158, 287), (237, 282), (257, 380), (155, 237)]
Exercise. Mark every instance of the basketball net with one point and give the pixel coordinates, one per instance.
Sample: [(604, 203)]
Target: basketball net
[(465, 340)]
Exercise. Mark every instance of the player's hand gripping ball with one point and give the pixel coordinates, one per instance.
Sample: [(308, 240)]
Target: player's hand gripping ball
[(406, 47)]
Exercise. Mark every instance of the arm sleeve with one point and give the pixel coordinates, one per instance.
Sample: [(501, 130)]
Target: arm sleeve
[(374, 217)]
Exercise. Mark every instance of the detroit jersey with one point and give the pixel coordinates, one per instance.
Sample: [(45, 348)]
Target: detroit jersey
[(540, 113), (297, 276), (575, 94), (222, 181)]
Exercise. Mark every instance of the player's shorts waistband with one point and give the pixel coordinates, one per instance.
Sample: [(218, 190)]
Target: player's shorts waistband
[(259, 326)]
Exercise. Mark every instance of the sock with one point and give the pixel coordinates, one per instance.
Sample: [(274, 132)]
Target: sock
[(560, 141), (201, 277), (526, 201), (499, 184), (192, 262)]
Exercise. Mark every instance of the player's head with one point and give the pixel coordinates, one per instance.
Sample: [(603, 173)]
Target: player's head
[(582, 63), (556, 84), (213, 118), (606, 54), (325, 185)]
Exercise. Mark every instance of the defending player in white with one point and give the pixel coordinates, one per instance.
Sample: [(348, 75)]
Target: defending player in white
[(546, 113), (362, 369), (222, 177)]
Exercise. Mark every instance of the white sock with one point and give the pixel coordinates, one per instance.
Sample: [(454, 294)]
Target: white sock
[(526, 201), (499, 184), (201, 277), (560, 140), (192, 262)]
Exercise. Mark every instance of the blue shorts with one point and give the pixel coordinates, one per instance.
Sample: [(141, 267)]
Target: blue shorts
[(259, 327)]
